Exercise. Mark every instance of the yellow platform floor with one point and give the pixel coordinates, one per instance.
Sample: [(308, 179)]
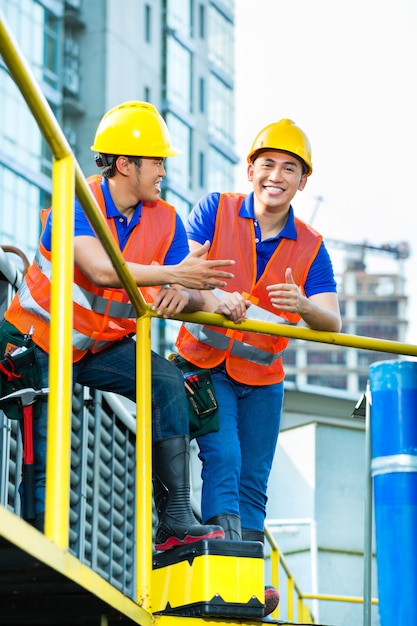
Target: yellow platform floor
[(42, 585)]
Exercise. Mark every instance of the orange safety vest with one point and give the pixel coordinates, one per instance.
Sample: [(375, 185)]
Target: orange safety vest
[(101, 315), (251, 358)]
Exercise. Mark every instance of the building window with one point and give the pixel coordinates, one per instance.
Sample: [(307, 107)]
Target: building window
[(71, 67), (362, 382), (366, 357), (201, 21), (377, 308), (327, 380), (379, 331), (19, 197), (179, 168), (220, 171), (221, 111), (148, 23), (179, 16), (182, 207), (289, 357), (221, 41), (147, 94), (178, 75), (50, 61), (201, 170), (326, 357), (201, 95)]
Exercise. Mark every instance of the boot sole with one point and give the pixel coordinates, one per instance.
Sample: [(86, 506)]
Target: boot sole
[(173, 542)]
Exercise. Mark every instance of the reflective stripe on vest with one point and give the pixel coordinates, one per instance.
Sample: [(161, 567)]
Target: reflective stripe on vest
[(79, 341), (86, 299), (222, 342)]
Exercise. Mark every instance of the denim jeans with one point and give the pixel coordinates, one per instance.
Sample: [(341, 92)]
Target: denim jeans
[(113, 369), (237, 459)]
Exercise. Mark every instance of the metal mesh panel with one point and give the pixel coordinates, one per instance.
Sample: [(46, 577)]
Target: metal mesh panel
[(11, 453), (103, 491)]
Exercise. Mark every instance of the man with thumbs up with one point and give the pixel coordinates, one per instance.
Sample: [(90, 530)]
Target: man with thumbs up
[(283, 273)]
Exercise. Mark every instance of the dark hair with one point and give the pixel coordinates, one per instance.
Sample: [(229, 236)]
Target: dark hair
[(109, 164), (305, 168)]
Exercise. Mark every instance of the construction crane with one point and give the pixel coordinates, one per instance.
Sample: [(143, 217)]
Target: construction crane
[(399, 251)]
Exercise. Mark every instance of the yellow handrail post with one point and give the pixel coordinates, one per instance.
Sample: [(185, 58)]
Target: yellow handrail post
[(143, 462), (275, 560), (60, 359), (290, 597)]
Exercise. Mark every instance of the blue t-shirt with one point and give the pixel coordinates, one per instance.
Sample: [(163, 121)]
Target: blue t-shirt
[(201, 225), (178, 249)]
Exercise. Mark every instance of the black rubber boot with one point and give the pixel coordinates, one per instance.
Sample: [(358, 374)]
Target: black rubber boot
[(271, 598), (230, 524), (253, 535), (39, 521), (171, 484)]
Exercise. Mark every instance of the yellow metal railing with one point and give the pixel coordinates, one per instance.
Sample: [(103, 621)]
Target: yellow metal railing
[(294, 593), (68, 180), (294, 596)]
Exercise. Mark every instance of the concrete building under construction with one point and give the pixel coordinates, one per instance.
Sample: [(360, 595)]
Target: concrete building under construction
[(373, 302)]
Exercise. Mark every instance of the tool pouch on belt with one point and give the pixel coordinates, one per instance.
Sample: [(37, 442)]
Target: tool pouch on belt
[(19, 369), (202, 404)]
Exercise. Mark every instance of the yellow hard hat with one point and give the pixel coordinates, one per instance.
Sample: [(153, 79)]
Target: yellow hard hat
[(134, 129), (283, 135)]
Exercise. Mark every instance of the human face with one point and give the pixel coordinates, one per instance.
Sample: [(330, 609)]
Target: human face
[(276, 177), (148, 178)]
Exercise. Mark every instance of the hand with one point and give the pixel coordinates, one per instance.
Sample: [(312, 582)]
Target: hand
[(233, 306), (196, 272), (169, 301), (286, 296)]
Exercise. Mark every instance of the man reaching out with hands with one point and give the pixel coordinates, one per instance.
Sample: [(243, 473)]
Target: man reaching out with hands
[(283, 273)]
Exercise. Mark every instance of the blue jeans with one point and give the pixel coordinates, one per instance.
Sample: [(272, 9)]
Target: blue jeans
[(113, 369), (237, 459)]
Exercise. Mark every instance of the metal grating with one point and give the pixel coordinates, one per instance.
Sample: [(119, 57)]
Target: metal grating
[(103, 490)]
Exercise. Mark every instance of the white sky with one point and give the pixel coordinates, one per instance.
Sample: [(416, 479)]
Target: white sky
[(345, 72)]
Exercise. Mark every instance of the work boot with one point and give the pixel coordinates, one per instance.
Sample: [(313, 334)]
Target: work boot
[(271, 595), (171, 484), (38, 521), (230, 524)]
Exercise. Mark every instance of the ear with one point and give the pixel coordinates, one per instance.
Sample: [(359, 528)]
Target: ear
[(303, 182), (250, 171), (122, 165)]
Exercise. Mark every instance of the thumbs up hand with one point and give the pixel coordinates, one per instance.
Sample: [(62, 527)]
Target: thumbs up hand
[(286, 296)]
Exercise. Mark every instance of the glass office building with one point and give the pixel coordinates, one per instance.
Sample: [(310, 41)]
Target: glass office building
[(88, 56)]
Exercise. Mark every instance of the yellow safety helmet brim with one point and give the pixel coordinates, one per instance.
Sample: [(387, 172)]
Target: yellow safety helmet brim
[(286, 136), (134, 128)]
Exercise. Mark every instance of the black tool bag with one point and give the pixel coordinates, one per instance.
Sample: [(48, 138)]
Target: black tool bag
[(202, 404), (19, 369)]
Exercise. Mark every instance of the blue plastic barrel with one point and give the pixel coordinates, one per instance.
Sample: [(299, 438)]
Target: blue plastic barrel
[(393, 386)]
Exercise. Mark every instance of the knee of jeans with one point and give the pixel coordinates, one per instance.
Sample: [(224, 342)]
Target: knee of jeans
[(223, 458)]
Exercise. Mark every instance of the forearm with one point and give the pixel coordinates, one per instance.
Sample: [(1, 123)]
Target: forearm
[(320, 318), (195, 301)]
